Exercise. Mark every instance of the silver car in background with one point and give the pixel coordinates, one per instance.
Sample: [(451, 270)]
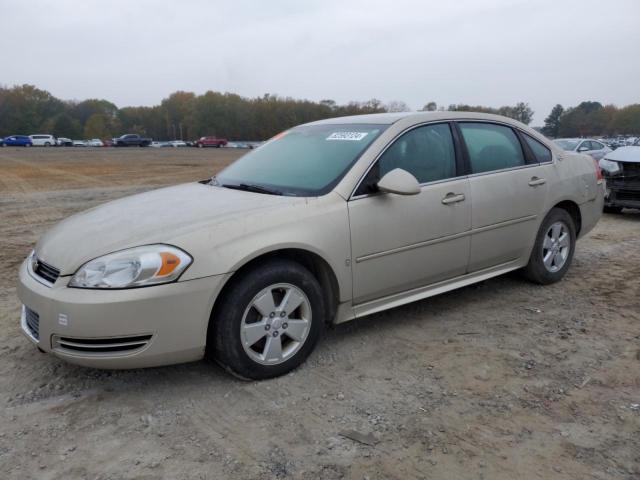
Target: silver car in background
[(588, 146), (324, 223)]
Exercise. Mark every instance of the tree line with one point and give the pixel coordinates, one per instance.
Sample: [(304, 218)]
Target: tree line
[(26, 109), (592, 119)]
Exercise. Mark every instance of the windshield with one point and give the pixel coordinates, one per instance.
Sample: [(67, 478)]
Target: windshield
[(568, 145), (306, 161)]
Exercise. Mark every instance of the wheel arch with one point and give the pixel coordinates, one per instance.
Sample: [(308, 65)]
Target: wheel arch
[(316, 264), (573, 210)]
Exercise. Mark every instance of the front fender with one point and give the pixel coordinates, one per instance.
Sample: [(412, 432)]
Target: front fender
[(319, 226)]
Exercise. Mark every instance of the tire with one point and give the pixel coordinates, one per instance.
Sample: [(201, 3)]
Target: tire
[(27, 144), (241, 337), (47, 144), (612, 209), (546, 243), (200, 145)]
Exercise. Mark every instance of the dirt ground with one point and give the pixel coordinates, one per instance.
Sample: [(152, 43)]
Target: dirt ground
[(501, 380)]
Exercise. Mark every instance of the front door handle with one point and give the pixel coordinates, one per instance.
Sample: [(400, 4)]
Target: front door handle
[(535, 181), (453, 198)]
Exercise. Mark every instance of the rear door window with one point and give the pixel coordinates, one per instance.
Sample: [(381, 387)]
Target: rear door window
[(491, 147)]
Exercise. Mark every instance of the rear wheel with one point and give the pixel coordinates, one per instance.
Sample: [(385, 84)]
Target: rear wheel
[(553, 249), (268, 322)]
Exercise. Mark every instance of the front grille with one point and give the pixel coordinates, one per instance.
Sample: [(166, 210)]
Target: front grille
[(49, 273), (630, 168), (630, 195), (33, 322), (630, 178), (99, 346)]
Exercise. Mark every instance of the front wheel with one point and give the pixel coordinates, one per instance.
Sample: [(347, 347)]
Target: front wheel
[(268, 321), (553, 249)]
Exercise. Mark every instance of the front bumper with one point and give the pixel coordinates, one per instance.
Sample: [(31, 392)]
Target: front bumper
[(624, 190), (132, 328), (623, 197)]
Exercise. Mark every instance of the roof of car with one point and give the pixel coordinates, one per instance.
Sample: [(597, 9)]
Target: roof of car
[(389, 118)]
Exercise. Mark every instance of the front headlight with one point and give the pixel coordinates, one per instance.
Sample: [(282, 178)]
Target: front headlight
[(134, 267), (609, 166), (32, 261)]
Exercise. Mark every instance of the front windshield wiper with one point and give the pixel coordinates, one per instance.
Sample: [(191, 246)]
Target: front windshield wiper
[(252, 188)]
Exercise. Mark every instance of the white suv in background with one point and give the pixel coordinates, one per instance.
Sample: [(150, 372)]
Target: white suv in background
[(43, 140)]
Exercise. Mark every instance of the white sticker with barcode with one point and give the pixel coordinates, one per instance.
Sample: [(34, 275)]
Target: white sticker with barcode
[(349, 136)]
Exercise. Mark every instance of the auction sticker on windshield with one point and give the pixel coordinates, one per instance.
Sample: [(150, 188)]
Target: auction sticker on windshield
[(349, 136)]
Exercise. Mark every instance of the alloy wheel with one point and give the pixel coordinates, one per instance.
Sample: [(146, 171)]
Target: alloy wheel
[(556, 247), (276, 324)]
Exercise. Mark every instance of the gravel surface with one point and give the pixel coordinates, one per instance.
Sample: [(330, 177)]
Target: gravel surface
[(500, 380)]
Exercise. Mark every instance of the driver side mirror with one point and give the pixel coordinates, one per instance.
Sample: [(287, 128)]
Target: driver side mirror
[(583, 149), (400, 182)]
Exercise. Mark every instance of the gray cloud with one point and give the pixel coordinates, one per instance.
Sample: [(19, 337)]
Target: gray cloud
[(491, 52)]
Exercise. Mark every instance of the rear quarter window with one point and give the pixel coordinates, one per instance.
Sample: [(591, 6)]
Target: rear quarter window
[(542, 153)]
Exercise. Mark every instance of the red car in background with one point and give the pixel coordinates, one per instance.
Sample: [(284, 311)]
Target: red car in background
[(211, 142)]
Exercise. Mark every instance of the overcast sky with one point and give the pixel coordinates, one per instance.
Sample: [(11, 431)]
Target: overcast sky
[(489, 52)]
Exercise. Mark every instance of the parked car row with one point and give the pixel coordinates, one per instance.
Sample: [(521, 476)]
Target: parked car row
[(170, 143), (127, 140), (620, 141)]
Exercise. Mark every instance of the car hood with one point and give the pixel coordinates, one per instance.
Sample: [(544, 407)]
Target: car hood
[(624, 154), (157, 216)]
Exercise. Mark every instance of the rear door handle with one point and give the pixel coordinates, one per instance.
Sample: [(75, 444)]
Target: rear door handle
[(453, 198), (535, 181)]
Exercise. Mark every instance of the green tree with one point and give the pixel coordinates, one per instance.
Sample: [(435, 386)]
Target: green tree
[(24, 109), (626, 120), (397, 106), (97, 126), (430, 107), (521, 111), (63, 125), (552, 122), (83, 110), (587, 119)]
